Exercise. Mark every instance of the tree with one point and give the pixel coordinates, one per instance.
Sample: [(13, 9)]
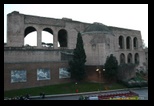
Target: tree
[(143, 44), (111, 67), (49, 44), (77, 64), (43, 43)]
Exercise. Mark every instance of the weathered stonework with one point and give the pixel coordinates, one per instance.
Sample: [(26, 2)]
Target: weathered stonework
[(99, 42)]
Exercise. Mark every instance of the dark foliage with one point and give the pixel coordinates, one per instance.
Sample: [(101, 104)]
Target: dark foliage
[(77, 65)]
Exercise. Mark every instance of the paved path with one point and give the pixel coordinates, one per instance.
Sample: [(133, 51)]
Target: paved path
[(143, 95)]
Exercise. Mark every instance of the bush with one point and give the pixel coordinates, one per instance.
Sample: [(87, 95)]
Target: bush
[(134, 82), (111, 68)]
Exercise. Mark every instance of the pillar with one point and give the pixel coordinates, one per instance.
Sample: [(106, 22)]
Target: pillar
[(125, 43), (133, 57), (39, 39), (55, 40), (132, 43)]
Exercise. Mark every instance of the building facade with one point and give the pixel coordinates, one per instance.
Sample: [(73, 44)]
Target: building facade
[(39, 65)]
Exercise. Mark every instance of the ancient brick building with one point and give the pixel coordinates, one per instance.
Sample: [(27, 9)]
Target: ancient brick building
[(41, 65)]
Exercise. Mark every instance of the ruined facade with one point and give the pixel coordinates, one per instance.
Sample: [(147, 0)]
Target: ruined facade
[(99, 42)]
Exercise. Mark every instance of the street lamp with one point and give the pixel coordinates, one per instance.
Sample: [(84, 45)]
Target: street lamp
[(97, 69), (103, 69), (99, 73), (99, 76)]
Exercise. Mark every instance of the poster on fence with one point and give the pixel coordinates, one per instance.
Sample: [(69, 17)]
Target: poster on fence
[(43, 74), (63, 73), (18, 76)]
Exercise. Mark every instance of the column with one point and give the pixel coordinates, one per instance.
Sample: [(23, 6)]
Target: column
[(125, 43), (132, 43), (133, 57), (55, 40), (39, 39), (126, 58)]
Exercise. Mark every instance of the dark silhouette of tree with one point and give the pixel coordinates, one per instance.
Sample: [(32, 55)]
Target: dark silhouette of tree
[(143, 44), (111, 67), (49, 44), (43, 43), (77, 64)]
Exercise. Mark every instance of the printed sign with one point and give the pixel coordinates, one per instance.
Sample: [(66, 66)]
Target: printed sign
[(18, 76), (63, 73), (43, 74)]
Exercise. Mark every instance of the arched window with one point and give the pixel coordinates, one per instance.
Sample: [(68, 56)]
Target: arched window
[(122, 58), (62, 38), (47, 37), (135, 42), (129, 58), (136, 58), (121, 42), (30, 36), (128, 42)]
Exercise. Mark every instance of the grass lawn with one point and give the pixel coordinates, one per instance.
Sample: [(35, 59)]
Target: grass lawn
[(63, 89)]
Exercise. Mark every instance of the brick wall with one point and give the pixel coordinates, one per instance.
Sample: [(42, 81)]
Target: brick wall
[(93, 75), (31, 69)]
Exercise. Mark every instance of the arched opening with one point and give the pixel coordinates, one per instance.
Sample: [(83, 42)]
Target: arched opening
[(135, 42), (30, 36), (136, 58), (129, 58), (121, 42), (128, 42), (47, 37), (62, 38), (122, 58)]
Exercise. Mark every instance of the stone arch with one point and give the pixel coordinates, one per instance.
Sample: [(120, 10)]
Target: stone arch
[(135, 43), (128, 42), (30, 30), (136, 58), (129, 58), (121, 42), (122, 58), (62, 38), (47, 37)]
